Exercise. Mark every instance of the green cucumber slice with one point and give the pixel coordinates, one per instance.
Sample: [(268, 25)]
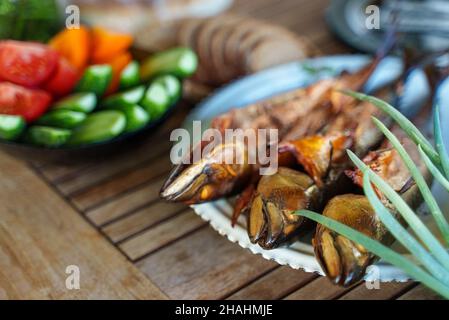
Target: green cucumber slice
[(172, 85), (99, 126), (128, 97), (47, 136), (156, 100), (62, 118), (136, 117), (181, 62), (11, 126), (130, 76), (95, 79), (81, 102)]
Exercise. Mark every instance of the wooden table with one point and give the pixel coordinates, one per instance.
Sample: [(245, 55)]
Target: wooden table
[(104, 216)]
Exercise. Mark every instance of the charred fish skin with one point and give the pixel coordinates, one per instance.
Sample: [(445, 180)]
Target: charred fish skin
[(324, 160), (343, 261), (198, 182), (271, 218), (207, 179)]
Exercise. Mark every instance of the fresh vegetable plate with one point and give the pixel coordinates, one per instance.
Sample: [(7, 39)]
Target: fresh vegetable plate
[(262, 85), (86, 88)]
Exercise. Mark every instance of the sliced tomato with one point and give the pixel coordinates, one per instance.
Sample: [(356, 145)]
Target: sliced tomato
[(63, 80), (26, 63), (20, 101)]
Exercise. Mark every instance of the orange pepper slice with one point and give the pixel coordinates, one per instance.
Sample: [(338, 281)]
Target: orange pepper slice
[(108, 44), (73, 45)]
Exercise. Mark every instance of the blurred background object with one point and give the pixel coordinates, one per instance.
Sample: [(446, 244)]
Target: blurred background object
[(230, 46), (424, 23), (29, 19), (133, 15)]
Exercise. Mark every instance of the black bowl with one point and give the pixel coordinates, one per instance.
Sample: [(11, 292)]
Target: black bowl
[(74, 153)]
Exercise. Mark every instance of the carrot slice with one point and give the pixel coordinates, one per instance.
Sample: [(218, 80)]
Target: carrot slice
[(118, 63), (108, 44), (74, 45)]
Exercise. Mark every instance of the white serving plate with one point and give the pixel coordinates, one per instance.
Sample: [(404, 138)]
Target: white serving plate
[(283, 78)]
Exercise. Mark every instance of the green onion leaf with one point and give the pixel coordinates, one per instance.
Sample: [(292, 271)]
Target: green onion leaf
[(439, 143), (402, 121), (419, 180), (438, 251), (433, 169), (400, 234), (380, 250)]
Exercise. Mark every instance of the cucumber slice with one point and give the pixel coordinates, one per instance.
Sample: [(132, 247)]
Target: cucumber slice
[(66, 119), (128, 97), (130, 76), (181, 62), (155, 100), (136, 117), (95, 79), (172, 85), (11, 126), (47, 136), (99, 126), (81, 102)]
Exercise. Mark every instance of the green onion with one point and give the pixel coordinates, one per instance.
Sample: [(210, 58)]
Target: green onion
[(419, 180), (399, 232), (402, 121), (438, 251), (436, 258), (439, 144), (433, 169), (380, 250)]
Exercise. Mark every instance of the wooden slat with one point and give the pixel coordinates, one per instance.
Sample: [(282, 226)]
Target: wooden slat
[(127, 202), (420, 292), (40, 235), (274, 285), (203, 265), (142, 219), (106, 190), (386, 291), (110, 167), (161, 235), (67, 167), (62, 170), (318, 289)]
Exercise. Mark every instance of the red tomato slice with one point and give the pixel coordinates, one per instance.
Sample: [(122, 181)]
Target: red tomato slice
[(63, 80), (28, 103), (26, 63)]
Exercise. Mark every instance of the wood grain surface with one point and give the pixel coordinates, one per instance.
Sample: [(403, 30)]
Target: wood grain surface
[(103, 214), (41, 234)]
